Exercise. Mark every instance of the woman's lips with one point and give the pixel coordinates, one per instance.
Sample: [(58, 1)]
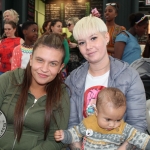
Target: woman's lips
[(42, 75)]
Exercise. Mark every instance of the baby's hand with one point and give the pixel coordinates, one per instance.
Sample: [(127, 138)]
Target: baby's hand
[(59, 135)]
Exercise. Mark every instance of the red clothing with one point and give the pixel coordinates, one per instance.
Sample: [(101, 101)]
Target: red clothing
[(6, 48)]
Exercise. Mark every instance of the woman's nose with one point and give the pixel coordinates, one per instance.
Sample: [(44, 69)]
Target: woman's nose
[(44, 67)]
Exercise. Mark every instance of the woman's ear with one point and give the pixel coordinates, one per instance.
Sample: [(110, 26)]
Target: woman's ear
[(61, 67), (107, 37)]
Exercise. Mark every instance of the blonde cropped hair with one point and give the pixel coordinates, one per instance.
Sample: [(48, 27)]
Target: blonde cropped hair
[(87, 26), (13, 13), (74, 20)]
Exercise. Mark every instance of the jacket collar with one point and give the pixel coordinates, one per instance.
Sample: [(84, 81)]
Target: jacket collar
[(78, 76)]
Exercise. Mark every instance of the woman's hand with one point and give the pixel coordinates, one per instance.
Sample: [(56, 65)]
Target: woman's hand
[(73, 45), (59, 135)]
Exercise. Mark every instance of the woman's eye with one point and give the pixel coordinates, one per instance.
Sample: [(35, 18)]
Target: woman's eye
[(39, 60), (80, 43), (53, 64), (93, 38)]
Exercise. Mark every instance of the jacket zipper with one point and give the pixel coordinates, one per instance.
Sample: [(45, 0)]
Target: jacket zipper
[(35, 100)]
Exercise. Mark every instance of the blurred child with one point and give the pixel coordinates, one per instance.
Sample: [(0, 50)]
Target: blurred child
[(21, 53), (106, 128)]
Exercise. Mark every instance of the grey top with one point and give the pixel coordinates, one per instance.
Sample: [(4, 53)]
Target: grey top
[(121, 76)]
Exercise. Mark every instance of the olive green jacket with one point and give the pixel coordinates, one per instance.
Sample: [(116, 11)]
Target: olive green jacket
[(33, 132)]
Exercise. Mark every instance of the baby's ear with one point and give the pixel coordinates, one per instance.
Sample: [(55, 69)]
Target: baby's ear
[(96, 111)]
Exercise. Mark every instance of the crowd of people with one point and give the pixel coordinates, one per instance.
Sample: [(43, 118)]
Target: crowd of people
[(83, 83)]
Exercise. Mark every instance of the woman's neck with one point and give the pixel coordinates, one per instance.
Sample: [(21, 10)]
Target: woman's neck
[(28, 44), (37, 90), (110, 23), (11, 37), (100, 68), (132, 31)]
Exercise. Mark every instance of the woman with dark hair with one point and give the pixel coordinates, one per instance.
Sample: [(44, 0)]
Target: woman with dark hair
[(56, 27), (34, 100), (46, 26), (126, 43), (110, 14), (7, 45)]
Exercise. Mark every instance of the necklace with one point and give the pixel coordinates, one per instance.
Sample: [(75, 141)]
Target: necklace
[(100, 69), (27, 46)]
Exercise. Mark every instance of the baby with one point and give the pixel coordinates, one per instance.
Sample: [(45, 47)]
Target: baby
[(106, 128)]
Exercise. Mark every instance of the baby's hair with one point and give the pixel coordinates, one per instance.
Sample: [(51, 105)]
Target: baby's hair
[(113, 95), (27, 24)]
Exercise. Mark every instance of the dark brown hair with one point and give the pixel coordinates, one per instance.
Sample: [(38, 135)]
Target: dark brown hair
[(13, 25), (113, 95), (53, 22), (45, 25), (53, 88)]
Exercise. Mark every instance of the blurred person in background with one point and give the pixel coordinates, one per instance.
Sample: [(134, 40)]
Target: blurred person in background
[(75, 55), (21, 53), (127, 47), (56, 27), (12, 15), (7, 45), (46, 27), (110, 14)]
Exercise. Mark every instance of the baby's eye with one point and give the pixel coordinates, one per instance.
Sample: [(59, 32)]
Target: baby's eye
[(107, 119), (118, 120)]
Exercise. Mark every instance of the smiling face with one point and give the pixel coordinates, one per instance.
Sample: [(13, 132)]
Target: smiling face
[(45, 64), (110, 13), (109, 117), (93, 47), (31, 34), (57, 28), (9, 30)]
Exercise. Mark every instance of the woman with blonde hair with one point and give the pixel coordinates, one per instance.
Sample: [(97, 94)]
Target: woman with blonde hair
[(11, 15), (75, 55), (100, 71)]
